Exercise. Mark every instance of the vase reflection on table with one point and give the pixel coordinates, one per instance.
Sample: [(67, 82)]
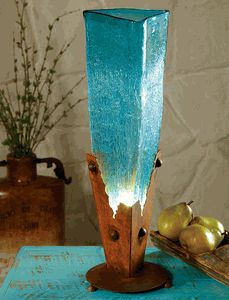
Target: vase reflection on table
[(126, 51)]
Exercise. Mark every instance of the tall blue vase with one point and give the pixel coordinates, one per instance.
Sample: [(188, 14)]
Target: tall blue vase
[(126, 51), (125, 64)]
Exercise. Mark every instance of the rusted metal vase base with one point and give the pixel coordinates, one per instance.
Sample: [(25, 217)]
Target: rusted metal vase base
[(150, 277), (124, 239)]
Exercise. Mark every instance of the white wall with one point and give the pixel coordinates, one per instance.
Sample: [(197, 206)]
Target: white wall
[(195, 131)]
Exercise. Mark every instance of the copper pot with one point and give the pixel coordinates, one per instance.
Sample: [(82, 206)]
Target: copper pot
[(31, 206)]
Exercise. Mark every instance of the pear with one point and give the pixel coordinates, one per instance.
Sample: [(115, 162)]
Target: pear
[(213, 225), (197, 239), (173, 219)]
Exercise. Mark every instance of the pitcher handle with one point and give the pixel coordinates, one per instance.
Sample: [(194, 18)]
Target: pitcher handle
[(59, 168)]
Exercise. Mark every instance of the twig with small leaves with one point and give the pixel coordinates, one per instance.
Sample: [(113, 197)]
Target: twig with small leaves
[(29, 115)]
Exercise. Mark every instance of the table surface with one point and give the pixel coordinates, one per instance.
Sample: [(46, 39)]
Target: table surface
[(59, 273)]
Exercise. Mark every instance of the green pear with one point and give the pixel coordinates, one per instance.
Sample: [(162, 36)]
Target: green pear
[(197, 239), (173, 219), (213, 225)]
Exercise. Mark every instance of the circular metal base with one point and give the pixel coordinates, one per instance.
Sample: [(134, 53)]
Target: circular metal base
[(151, 276)]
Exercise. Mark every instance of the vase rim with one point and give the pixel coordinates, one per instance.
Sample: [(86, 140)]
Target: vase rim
[(26, 157), (125, 13)]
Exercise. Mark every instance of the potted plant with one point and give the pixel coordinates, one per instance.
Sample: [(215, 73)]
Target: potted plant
[(32, 206)]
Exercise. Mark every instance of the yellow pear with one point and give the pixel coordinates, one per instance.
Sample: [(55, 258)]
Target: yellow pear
[(197, 239), (173, 219), (213, 225)]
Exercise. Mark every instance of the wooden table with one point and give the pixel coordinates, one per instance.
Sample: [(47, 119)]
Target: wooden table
[(59, 273)]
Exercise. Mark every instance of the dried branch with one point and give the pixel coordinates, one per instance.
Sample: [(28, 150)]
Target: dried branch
[(26, 116)]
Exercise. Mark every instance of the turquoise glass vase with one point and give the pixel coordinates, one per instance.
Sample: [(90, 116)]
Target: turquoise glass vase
[(126, 51)]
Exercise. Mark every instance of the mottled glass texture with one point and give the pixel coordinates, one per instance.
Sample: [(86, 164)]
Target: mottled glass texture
[(126, 51)]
